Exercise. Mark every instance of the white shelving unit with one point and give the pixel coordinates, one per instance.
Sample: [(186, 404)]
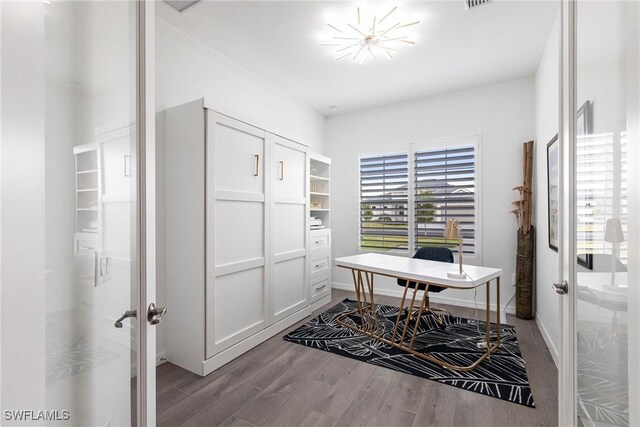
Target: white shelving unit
[(87, 231), (320, 229)]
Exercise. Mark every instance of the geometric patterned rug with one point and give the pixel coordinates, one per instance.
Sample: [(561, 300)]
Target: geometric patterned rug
[(71, 356), (603, 393), (502, 376)]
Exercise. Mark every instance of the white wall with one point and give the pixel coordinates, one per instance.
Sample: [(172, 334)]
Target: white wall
[(187, 69), (502, 114), (546, 126)]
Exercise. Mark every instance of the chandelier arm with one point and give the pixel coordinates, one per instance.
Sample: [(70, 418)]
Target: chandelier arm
[(357, 30), (389, 29), (388, 13)]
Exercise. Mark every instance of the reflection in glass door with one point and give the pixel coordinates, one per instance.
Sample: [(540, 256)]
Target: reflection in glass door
[(606, 96), (90, 187)]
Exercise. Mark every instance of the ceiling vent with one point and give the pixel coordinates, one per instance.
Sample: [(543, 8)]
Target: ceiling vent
[(471, 4), (181, 5)]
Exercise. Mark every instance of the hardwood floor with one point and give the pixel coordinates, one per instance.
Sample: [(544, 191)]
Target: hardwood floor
[(280, 383)]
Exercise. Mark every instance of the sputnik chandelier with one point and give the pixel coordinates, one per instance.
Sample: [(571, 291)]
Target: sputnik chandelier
[(365, 38)]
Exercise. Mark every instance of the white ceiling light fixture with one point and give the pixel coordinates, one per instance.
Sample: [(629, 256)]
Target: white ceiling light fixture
[(365, 37)]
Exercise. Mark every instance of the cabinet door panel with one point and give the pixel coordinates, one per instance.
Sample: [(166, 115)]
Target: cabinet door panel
[(235, 308), (289, 287), (289, 170), (238, 156), (289, 227), (239, 231)]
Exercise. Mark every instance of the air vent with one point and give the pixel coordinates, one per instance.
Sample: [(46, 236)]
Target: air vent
[(181, 5), (470, 4)]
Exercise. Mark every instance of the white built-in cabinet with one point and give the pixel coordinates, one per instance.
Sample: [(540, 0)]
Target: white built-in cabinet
[(236, 236)]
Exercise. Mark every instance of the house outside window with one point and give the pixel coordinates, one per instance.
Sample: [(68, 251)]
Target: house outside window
[(406, 198)]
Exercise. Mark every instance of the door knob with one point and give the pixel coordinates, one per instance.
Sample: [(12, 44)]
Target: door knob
[(562, 288), (154, 314), (127, 314)]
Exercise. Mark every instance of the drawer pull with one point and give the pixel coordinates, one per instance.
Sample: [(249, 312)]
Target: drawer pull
[(317, 242), (320, 288), (318, 265)]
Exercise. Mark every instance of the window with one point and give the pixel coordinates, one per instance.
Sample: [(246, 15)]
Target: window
[(444, 188), (384, 202), (397, 216)]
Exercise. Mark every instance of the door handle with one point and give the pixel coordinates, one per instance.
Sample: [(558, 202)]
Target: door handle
[(257, 170), (154, 314), (281, 170), (127, 314), (562, 288)]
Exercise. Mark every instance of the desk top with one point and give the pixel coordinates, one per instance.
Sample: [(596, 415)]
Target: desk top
[(419, 270)]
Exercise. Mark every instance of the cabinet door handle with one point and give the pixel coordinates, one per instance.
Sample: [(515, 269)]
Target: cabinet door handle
[(257, 171), (281, 170)]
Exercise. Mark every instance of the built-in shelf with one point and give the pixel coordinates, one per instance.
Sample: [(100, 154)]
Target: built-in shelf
[(320, 229)]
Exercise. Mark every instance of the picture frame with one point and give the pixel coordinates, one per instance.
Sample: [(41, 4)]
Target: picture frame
[(586, 260), (583, 127), (553, 186), (583, 119)]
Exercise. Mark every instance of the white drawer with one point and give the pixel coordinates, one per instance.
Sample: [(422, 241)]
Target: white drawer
[(318, 265), (320, 289), (319, 241)]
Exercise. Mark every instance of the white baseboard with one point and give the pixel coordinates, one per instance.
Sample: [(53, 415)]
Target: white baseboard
[(547, 339), (161, 357), (435, 298)]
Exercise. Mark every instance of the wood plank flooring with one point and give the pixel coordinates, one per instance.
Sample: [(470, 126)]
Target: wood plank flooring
[(280, 383)]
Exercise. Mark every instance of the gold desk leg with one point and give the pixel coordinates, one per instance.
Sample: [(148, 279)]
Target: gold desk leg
[(404, 296), (361, 330), (498, 310), (415, 328), (366, 303), (488, 311), (369, 277), (358, 302), (409, 313)]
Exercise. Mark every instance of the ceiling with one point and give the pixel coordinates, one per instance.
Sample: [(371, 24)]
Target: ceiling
[(279, 41)]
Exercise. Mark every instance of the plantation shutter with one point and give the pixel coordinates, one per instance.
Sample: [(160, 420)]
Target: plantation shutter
[(384, 202), (444, 188)]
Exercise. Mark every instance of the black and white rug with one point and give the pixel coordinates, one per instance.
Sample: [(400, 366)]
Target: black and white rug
[(603, 392), (502, 376)]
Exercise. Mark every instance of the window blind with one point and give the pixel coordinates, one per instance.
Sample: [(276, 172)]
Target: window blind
[(384, 202), (444, 188)]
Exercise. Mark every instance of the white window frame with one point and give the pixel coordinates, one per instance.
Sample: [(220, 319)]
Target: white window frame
[(411, 149)]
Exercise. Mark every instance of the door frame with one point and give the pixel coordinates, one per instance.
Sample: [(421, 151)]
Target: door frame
[(567, 386), (145, 211)]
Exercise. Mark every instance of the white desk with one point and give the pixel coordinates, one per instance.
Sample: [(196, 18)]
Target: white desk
[(423, 273)]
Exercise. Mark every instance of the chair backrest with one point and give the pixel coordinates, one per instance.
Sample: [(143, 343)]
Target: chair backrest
[(435, 253)]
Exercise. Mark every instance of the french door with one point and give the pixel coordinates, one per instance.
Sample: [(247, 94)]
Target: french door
[(78, 213), (599, 376)]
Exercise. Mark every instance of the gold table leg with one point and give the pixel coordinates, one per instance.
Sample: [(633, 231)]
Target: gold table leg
[(371, 326)]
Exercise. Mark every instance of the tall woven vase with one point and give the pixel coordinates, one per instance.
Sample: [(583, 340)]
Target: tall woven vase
[(525, 262)]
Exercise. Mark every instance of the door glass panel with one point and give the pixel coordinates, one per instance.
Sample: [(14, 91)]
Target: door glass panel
[(607, 56), (90, 211)]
